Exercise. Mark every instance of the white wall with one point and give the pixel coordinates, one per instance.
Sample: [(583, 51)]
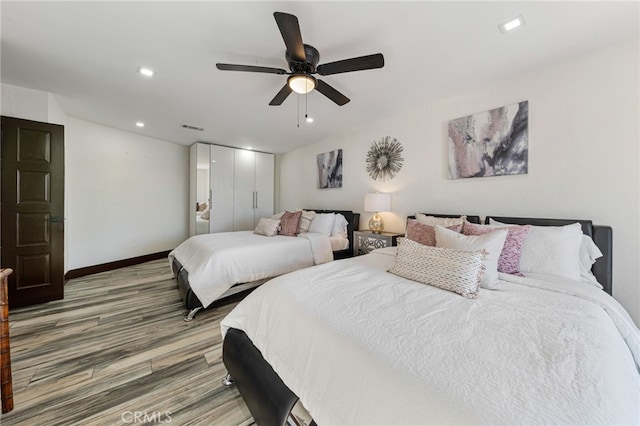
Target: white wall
[(29, 104), (128, 194), (583, 157)]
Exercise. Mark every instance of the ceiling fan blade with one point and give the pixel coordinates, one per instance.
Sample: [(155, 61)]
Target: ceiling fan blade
[(331, 93), (281, 96), (354, 64), (250, 68), (290, 31)]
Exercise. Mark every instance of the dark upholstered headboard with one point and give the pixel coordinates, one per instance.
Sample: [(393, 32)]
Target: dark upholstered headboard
[(470, 218), (353, 220), (602, 236)]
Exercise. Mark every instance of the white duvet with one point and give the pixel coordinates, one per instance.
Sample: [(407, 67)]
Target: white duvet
[(362, 346), (218, 261)]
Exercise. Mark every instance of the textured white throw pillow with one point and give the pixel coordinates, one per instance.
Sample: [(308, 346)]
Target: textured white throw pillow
[(267, 227), (451, 270), (552, 250), (322, 223), (491, 243)]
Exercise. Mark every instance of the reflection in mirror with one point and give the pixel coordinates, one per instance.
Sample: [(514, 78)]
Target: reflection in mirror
[(202, 189)]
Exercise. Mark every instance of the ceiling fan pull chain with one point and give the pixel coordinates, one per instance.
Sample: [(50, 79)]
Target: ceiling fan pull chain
[(298, 111)]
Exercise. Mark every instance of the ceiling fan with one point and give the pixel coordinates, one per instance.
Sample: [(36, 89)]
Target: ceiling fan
[(303, 62)]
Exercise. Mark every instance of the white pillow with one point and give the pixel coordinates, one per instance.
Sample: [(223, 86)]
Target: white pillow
[(589, 253), (267, 227), (442, 221), (206, 214), (491, 243), (553, 250), (340, 226), (452, 270), (322, 223)]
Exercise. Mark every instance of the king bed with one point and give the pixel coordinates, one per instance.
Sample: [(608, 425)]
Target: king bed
[(213, 267), (538, 348)]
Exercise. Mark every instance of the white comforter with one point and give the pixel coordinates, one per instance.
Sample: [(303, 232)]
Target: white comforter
[(362, 346), (216, 262)]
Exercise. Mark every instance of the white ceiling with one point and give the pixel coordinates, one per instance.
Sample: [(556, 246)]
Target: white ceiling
[(87, 53)]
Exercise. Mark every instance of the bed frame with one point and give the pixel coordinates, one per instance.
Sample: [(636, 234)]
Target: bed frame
[(270, 401), (193, 305)]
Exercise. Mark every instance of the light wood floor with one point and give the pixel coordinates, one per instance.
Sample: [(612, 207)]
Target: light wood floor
[(115, 348)]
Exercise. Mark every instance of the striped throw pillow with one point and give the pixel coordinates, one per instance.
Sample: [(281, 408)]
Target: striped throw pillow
[(266, 226), (305, 221)]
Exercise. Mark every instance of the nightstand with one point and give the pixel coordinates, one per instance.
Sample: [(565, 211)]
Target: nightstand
[(365, 241)]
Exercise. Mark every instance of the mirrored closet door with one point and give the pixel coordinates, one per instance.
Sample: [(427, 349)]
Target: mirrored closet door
[(231, 189), (199, 212)]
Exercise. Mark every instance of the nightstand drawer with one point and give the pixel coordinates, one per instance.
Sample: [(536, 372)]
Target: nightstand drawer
[(366, 241)]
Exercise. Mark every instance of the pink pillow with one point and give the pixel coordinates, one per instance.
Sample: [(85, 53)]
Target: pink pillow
[(509, 260), (425, 234), (289, 223)]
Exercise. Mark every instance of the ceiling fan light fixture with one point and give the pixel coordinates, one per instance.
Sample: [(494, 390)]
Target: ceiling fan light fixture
[(301, 83)]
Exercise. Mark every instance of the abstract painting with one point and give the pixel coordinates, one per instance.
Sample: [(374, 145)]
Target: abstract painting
[(330, 169), (490, 143)]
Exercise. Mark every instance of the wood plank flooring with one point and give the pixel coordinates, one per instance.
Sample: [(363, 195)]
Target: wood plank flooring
[(116, 351)]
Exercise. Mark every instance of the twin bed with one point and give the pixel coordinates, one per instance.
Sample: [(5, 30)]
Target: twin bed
[(213, 267), (355, 344)]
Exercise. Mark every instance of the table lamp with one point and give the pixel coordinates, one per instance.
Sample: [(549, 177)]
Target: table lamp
[(377, 203)]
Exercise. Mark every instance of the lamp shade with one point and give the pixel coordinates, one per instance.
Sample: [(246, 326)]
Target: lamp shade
[(377, 202)]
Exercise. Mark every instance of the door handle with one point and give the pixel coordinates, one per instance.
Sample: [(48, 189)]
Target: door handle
[(256, 192), (54, 219)]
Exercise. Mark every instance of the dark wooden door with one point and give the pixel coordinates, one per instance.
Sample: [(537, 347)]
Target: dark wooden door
[(32, 231)]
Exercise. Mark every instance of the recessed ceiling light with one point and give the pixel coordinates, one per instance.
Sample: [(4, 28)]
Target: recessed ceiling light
[(146, 72), (140, 124), (511, 24)]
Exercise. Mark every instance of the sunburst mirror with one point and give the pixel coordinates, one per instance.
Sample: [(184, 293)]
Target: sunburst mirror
[(384, 159)]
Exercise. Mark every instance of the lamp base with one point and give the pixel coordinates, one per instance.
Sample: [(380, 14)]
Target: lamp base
[(376, 225)]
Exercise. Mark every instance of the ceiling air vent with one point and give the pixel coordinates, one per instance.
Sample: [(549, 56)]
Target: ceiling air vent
[(187, 126)]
